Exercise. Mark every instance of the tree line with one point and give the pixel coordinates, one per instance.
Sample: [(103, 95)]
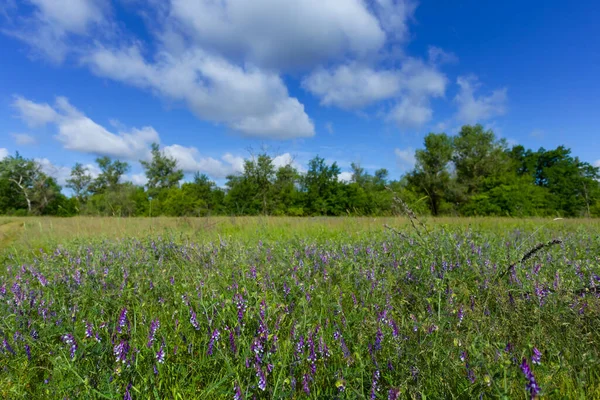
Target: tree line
[(471, 174)]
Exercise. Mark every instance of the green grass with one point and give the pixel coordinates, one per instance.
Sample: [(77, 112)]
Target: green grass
[(371, 302)]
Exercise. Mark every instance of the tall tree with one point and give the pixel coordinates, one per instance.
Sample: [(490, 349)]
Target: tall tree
[(110, 174), (161, 171), (478, 155), (431, 173), (36, 187), (320, 185), (79, 182)]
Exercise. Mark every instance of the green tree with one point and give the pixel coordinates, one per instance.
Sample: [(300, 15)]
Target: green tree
[(111, 173), (28, 180), (320, 185), (478, 155), (79, 182), (431, 175), (161, 171)]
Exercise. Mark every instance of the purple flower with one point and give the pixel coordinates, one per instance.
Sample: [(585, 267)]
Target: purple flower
[(232, 345), (536, 358), (70, 340), (237, 392), (214, 338), (262, 379), (154, 325), (89, 333), (305, 381), (374, 388), (461, 314), (531, 385), (378, 339), (122, 320), (160, 356), (28, 352), (193, 320), (127, 394), (393, 394), (120, 351)]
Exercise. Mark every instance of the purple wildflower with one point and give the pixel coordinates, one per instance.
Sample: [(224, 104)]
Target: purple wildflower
[(305, 387), (536, 358), (154, 325), (237, 392), (160, 356), (461, 314), (194, 320), (122, 320), (70, 340), (121, 350), (262, 379), (531, 385), (214, 338), (127, 394), (232, 345), (28, 352), (89, 333), (374, 387), (393, 394)]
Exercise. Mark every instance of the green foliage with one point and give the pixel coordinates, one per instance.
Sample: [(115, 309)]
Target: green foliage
[(161, 171), (473, 173)]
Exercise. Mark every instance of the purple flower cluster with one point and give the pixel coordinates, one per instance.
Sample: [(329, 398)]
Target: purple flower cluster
[(532, 386), (69, 340)]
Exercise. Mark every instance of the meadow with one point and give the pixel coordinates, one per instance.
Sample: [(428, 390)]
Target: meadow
[(327, 308)]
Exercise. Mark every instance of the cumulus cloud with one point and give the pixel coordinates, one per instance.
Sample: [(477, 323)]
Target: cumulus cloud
[(438, 55), (52, 24), (23, 139), (190, 161), (355, 86), (250, 100), (78, 132), (3, 153), (284, 34), (405, 158), (473, 108), (596, 163), (58, 172), (352, 86)]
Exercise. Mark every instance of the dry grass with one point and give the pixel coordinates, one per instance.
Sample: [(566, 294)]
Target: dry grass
[(22, 233)]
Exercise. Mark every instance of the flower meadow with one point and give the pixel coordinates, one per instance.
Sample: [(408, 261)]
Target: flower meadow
[(392, 315)]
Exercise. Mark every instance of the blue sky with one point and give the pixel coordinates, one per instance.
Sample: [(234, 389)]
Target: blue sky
[(350, 80)]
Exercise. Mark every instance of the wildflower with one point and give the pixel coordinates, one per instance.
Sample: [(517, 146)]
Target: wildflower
[(160, 356), (531, 385), (378, 339), (154, 325), (214, 338), (70, 340), (120, 351), (460, 314), (374, 388), (89, 333), (127, 394), (232, 345), (237, 392), (28, 352), (122, 320), (393, 394), (536, 358), (193, 320), (262, 379), (305, 387)]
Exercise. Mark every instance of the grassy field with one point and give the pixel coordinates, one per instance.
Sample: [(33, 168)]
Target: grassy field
[(243, 308)]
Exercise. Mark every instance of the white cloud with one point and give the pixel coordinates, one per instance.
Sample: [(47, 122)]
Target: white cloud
[(352, 86), (405, 158), (356, 86), (34, 114), (393, 16), (3, 153), (189, 159), (472, 108), (409, 114), (596, 163), (282, 34), (248, 99), (345, 176), (52, 24), (79, 133), (23, 139)]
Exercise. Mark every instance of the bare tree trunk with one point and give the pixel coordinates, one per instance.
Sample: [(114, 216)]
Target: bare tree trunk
[(19, 184)]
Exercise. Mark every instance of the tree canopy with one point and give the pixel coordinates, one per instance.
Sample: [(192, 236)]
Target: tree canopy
[(471, 173)]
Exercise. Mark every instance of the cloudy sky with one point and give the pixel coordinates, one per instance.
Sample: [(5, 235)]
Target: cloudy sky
[(350, 80)]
